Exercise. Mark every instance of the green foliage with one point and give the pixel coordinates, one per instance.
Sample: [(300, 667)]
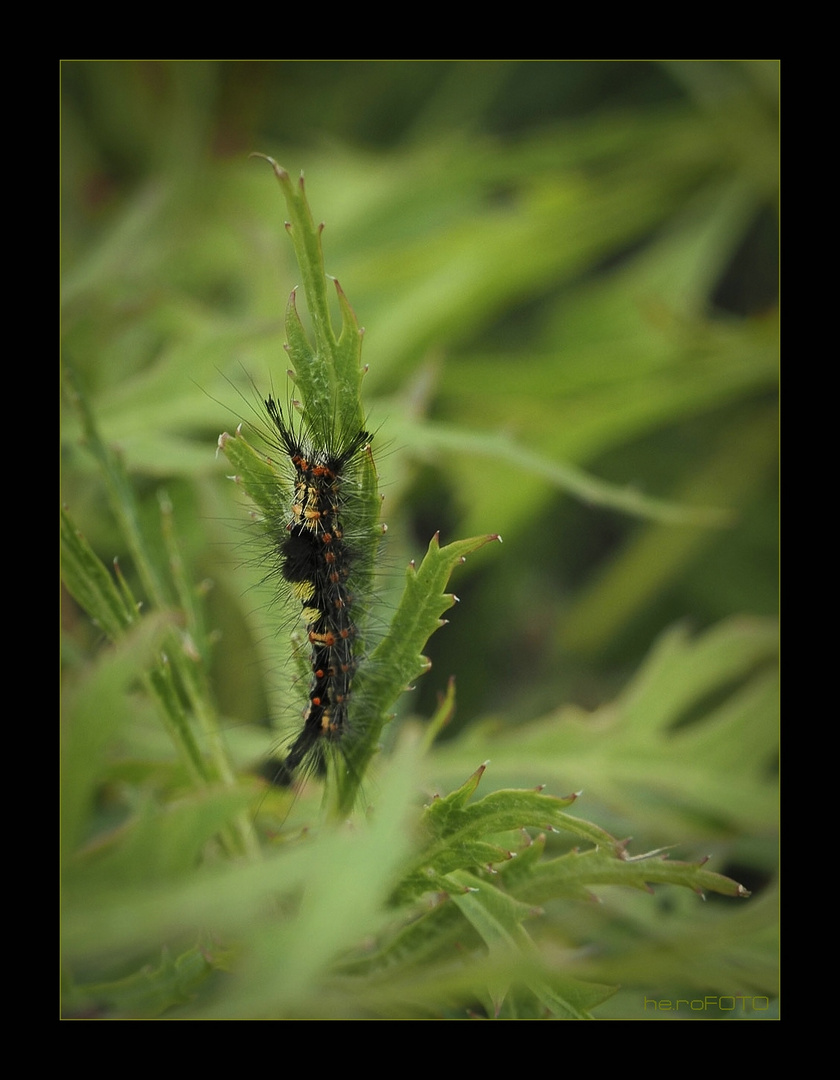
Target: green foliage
[(550, 314)]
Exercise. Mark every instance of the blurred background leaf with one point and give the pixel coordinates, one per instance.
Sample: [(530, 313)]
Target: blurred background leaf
[(568, 275)]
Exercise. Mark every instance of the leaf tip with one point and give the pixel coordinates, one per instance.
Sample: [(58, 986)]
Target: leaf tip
[(279, 171)]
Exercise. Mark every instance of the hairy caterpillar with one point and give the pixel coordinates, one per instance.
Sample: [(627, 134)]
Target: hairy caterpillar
[(316, 558), (322, 521)]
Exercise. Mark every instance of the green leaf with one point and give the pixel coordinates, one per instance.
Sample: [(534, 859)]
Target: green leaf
[(689, 744), (160, 844), (265, 483), (94, 712), (90, 583), (575, 874), (328, 373), (149, 992), (398, 659)]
